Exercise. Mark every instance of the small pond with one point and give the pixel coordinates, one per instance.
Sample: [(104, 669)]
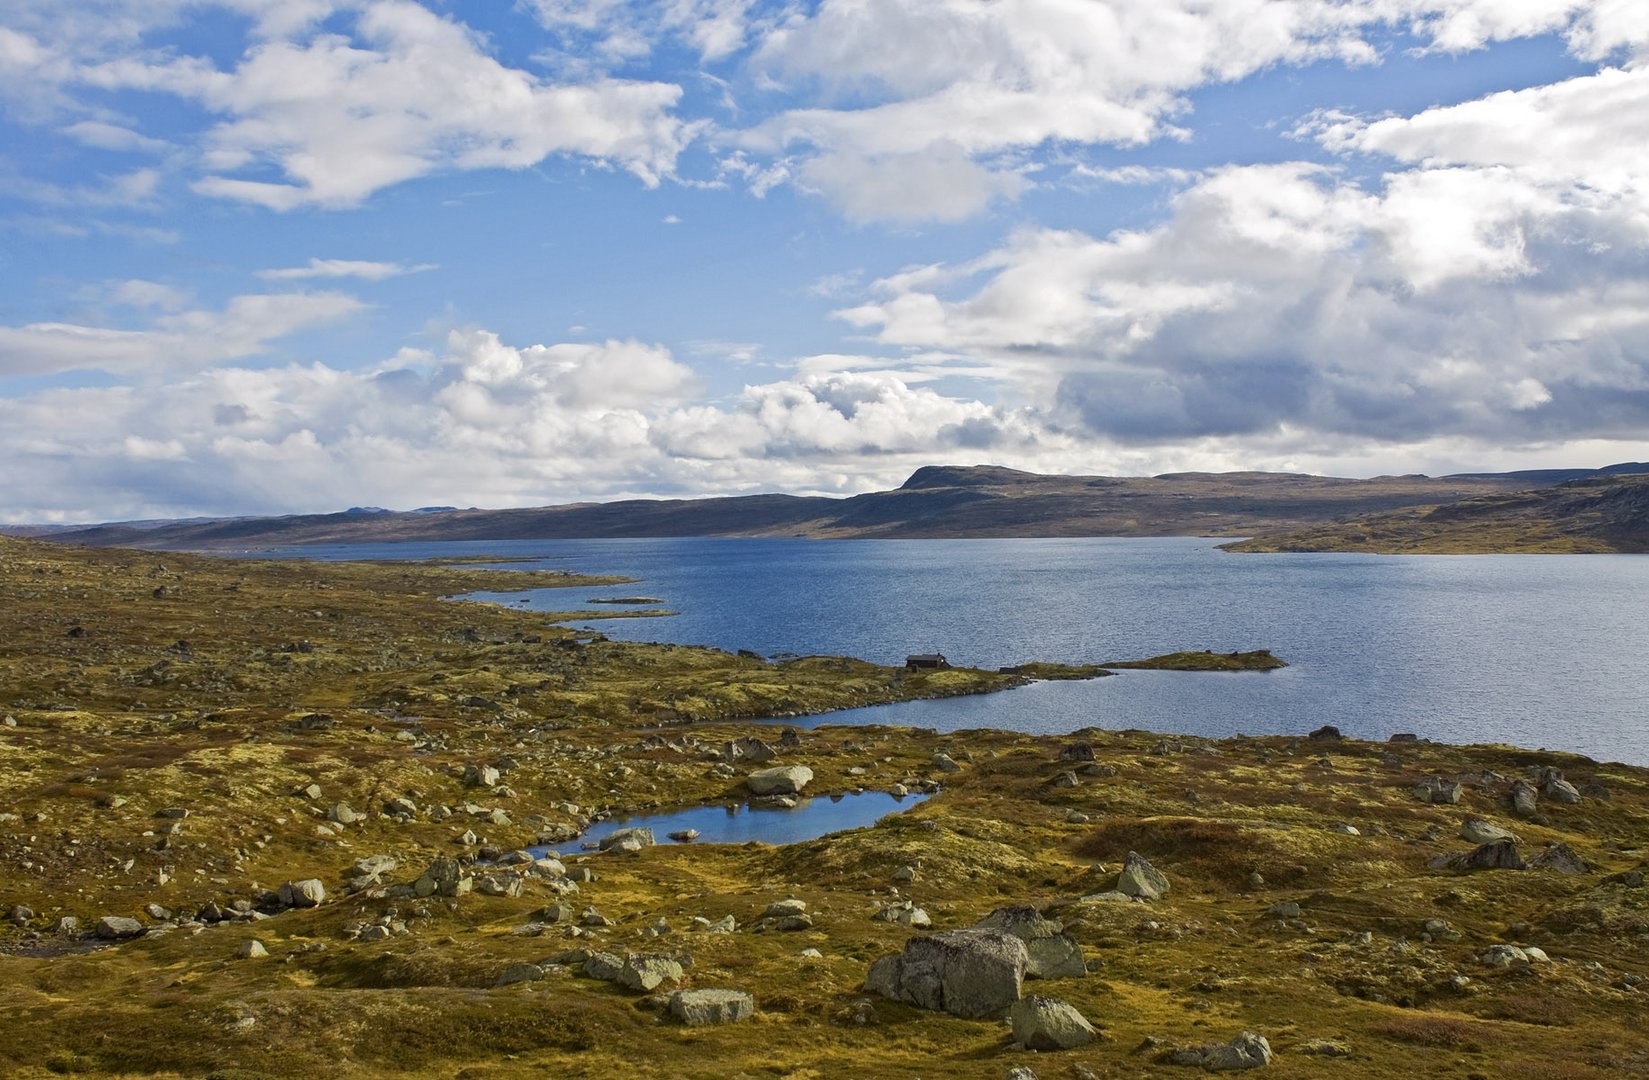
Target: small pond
[(738, 823)]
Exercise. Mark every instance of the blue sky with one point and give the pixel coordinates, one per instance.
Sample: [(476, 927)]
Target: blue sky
[(263, 256)]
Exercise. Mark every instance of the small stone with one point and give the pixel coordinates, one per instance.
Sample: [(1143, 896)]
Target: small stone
[(252, 950), (945, 763)]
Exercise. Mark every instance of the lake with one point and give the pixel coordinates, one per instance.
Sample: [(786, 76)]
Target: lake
[(1542, 651)]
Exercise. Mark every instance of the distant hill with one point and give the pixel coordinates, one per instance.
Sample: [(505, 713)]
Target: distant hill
[(939, 501), (1600, 513)]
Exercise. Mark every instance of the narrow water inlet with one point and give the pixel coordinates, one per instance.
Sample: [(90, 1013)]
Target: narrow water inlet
[(739, 823)]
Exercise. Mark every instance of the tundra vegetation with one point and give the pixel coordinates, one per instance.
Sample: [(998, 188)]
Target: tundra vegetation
[(272, 819)]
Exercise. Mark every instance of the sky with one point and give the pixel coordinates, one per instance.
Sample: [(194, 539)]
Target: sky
[(276, 256)]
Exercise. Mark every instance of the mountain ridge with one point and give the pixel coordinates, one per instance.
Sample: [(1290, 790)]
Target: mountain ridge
[(935, 502)]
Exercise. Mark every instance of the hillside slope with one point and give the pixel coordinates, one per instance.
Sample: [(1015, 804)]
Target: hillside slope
[(936, 502), (1599, 514)]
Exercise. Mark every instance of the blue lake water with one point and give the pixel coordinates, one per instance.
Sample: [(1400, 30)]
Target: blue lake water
[(737, 823), (1535, 650)]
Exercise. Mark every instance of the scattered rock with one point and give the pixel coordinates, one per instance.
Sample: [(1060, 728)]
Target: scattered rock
[(968, 973), (306, 893), (1504, 956), (1246, 1051), (1499, 855), (1435, 789), (780, 780), (627, 840), (645, 973), (945, 763), (1478, 831), (252, 950), (697, 1008), (1139, 878), (116, 927), (1042, 1023), (1560, 857), (1050, 953), (1524, 799), (516, 973)]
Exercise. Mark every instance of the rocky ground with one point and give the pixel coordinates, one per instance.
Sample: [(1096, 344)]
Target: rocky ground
[(274, 819)]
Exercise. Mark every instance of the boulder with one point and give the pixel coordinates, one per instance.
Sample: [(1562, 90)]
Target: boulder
[(1246, 1051), (1478, 831), (1525, 803), (115, 927), (516, 973), (645, 973), (1139, 878), (1435, 789), (967, 973), (779, 780), (603, 966), (1560, 857), (1041, 1023), (696, 1008), (1499, 855), (1559, 790), (306, 893), (1050, 953), (252, 950), (445, 877), (627, 840)]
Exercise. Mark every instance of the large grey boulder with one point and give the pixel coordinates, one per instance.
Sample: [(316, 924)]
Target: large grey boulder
[(1525, 801), (1499, 855), (644, 973), (1435, 789), (628, 839), (779, 780), (967, 973), (1139, 878), (699, 1007), (309, 892), (115, 927), (1041, 1023), (1478, 831), (1050, 953), (445, 877)]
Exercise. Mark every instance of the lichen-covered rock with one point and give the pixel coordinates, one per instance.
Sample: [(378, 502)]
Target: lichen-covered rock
[(1050, 953), (780, 780), (1139, 878), (967, 973), (1525, 802), (1478, 831), (1042, 1023), (646, 973), (1435, 789), (1560, 857), (696, 1008), (307, 893), (627, 840), (115, 927), (1499, 855), (1246, 1051)]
